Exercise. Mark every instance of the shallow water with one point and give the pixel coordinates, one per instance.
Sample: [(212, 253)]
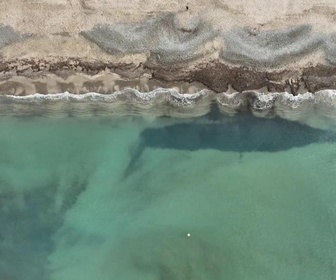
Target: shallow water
[(116, 199)]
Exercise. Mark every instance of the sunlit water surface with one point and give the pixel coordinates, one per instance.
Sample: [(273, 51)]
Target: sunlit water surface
[(125, 199)]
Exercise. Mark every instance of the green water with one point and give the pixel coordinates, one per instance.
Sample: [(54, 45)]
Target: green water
[(91, 199)]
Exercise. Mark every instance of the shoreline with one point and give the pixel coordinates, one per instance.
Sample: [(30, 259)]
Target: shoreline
[(163, 102), (107, 47)]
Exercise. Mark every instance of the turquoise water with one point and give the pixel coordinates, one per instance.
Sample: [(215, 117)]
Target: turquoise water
[(239, 198)]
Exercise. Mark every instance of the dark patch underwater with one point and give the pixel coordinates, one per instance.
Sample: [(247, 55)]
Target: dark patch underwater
[(243, 133)]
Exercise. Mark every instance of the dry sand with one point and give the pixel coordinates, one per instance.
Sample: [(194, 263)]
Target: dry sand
[(55, 26)]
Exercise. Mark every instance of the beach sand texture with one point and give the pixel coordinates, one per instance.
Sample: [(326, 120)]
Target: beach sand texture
[(52, 47)]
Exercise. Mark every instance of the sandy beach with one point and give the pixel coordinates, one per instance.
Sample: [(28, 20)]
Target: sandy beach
[(79, 46)]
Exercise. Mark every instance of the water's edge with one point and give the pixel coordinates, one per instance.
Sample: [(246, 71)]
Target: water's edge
[(171, 103)]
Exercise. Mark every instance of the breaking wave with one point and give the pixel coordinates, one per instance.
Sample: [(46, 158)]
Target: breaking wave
[(170, 102), (159, 102)]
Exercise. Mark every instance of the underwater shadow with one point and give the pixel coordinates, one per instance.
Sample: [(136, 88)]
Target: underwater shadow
[(239, 134)]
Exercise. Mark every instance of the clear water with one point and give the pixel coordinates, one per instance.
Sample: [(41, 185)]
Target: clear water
[(126, 199)]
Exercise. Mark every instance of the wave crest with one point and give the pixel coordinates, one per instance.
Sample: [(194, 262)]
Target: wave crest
[(170, 102)]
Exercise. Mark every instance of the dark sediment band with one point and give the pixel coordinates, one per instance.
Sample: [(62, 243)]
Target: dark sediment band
[(214, 75)]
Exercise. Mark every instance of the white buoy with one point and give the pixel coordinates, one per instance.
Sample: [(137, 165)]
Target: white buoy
[(188, 234)]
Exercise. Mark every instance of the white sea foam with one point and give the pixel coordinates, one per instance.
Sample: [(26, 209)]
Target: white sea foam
[(186, 99), (169, 101), (129, 101)]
